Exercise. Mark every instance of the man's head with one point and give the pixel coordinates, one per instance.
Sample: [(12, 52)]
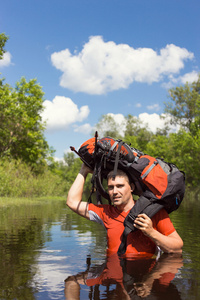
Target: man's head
[(119, 173), (120, 190)]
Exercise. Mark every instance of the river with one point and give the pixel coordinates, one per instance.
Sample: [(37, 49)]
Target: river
[(43, 246)]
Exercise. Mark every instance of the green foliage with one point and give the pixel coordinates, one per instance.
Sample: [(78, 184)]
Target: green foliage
[(24, 152), (181, 148), (3, 40), (23, 233), (132, 126), (107, 126), (159, 146), (21, 132), (184, 107), (132, 140), (136, 133), (68, 170), (18, 180), (186, 155)]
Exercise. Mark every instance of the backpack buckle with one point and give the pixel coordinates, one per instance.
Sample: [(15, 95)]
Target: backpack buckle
[(129, 221)]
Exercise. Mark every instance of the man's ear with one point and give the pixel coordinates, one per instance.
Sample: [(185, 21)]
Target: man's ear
[(132, 187)]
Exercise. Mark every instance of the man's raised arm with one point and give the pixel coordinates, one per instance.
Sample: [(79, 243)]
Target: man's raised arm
[(74, 198)]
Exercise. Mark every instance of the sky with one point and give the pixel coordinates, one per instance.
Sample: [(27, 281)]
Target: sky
[(99, 57)]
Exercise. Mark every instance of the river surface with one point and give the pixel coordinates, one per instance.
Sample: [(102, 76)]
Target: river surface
[(43, 246)]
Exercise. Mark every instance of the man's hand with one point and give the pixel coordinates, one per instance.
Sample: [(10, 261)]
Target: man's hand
[(171, 243), (144, 223), (85, 170), (142, 289)]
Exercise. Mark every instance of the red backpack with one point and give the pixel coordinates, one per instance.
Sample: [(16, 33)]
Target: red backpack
[(157, 183)]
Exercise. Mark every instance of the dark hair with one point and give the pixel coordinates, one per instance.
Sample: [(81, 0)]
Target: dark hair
[(119, 173)]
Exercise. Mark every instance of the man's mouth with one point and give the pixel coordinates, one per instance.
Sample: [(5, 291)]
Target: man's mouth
[(116, 199)]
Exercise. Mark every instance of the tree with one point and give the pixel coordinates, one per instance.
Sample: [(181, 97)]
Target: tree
[(159, 146), (137, 133), (68, 170), (132, 125), (3, 40), (131, 130), (107, 126), (69, 158), (184, 108), (21, 131), (186, 154)]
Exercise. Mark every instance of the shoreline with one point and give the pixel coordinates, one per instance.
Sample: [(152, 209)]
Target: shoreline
[(8, 201)]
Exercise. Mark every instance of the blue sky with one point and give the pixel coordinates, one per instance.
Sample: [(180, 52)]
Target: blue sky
[(95, 57)]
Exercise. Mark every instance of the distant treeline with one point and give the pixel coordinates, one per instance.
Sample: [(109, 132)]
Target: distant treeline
[(27, 167)]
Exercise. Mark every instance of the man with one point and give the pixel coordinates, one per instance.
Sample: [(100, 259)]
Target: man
[(153, 234)]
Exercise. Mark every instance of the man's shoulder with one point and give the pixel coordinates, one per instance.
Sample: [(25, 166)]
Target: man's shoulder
[(102, 211)]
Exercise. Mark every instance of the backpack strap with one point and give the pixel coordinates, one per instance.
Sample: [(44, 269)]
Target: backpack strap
[(142, 205), (98, 181), (112, 148), (117, 158), (149, 169)]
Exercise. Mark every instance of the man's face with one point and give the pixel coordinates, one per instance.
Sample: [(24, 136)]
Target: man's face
[(119, 191)]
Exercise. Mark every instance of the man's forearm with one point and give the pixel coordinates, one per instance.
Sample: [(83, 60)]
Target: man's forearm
[(169, 244), (74, 198), (76, 191)]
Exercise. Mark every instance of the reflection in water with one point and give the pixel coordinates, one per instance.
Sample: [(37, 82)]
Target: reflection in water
[(38, 249), (128, 279), (42, 245), (18, 251)]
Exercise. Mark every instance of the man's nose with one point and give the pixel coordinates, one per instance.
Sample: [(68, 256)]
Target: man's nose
[(115, 190)]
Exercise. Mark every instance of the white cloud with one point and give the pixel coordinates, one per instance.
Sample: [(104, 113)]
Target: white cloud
[(83, 238), (154, 107), (62, 112), (85, 128), (59, 160), (152, 121), (119, 120), (186, 78), (105, 66), (138, 105), (190, 77), (51, 269), (6, 60)]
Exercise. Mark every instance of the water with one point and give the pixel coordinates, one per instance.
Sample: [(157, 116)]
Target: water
[(41, 246)]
